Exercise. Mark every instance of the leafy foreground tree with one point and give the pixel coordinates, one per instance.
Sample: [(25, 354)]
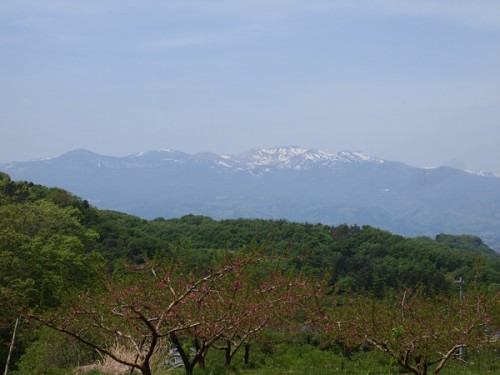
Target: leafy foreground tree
[(419, 332), (148, 304), (45, 255)]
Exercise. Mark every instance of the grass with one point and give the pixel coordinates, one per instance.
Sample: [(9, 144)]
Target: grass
[(275, 357), (294, 359)]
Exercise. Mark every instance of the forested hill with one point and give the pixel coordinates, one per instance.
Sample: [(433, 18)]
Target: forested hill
[(349, 257)]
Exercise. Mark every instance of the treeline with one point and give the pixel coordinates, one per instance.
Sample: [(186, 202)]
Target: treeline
[(54, 245), (351, 258)]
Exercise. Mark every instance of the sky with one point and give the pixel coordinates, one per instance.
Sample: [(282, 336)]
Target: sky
[(416, 81)]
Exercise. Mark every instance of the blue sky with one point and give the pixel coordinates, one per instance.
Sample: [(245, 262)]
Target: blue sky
[(411, 80)]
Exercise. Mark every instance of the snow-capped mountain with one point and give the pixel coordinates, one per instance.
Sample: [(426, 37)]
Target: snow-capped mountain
[(296, 158), (284, 182), (259, 160)]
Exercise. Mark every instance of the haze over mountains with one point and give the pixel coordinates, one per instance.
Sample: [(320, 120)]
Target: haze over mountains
[(290, 183)]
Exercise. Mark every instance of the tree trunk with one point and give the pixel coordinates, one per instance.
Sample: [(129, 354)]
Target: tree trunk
[(137, 356), (188, 366), (247, 353), (189, 363), (228, 354), (146, 370), (11, 348), (201, 360)]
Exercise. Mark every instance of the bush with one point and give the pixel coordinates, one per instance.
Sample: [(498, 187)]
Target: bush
[(53, 354)]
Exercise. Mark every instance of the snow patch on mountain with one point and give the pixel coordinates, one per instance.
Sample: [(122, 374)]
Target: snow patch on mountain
[(223, 164), (297, 158), (484, 174), (357, 157)]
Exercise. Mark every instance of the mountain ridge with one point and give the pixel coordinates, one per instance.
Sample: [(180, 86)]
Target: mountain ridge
[(281, 157), (260, 156)]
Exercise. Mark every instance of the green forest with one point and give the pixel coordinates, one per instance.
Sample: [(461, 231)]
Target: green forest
[(91, 291)]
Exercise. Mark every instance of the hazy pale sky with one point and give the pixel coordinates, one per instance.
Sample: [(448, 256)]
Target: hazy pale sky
[(411, 80)]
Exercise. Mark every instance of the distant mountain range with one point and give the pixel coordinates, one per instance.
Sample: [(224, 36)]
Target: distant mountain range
[(290, 183)]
